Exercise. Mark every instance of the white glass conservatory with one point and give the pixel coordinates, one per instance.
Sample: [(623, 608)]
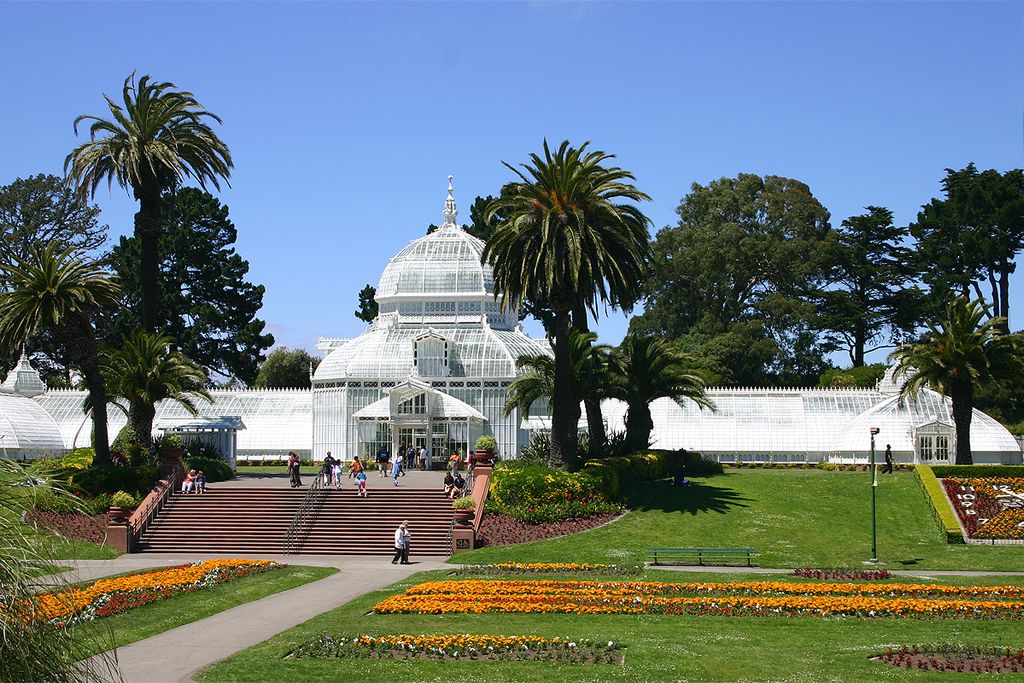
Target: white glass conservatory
[(26, 430), (433, 368)]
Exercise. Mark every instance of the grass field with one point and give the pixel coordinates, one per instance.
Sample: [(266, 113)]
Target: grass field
[(795, 518), (157, 617), (658, 648)]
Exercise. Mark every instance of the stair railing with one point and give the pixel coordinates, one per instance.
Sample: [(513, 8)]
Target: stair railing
[(304, 517), (172, 474)]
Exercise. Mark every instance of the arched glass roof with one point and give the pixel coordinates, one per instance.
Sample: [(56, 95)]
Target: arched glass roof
[(26, 430), (276, 420), (897, 420)]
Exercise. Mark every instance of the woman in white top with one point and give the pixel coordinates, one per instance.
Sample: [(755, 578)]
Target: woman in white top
[(402, 537)]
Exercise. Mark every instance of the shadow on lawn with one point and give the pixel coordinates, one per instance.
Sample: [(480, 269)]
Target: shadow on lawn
[(692, 499)]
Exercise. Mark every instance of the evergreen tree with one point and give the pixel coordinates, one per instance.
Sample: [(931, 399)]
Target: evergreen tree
[(206, 305), (875, 300), (368, 307), (287, 368)]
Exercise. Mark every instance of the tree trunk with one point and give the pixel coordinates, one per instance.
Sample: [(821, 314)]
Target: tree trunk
[(1004, 295), (859, 342), (564, 407), (147, 230), (639, 425), (963, 411), (592, 404), (140, 417), (79, 339)]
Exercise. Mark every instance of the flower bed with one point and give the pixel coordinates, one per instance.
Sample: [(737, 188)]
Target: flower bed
[(955, 657), (91, 528), (107, 597), (549, 568), (843, 574), (767, 598), (461, 646), (499, 529), (990, 508)]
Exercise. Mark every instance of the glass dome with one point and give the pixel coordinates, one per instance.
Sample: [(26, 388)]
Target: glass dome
[(26, 430)]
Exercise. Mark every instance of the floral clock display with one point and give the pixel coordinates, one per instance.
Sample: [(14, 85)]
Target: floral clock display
[(990, 508)]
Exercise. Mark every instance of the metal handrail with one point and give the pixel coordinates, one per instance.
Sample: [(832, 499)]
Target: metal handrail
[(306, 514)]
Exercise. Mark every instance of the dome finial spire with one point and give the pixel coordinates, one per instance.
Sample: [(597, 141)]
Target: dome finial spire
[(451, 212)]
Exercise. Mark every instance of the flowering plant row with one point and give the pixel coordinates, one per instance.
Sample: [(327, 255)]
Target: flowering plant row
[(989, 507), (549, 568), (955, 657), (755, 588), (577, 597), (843, 574), (461, 646), (106, 597)]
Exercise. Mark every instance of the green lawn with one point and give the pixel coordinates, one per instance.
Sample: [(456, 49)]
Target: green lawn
[(658, 648), (164, 615), (263, 469), (795, 518)]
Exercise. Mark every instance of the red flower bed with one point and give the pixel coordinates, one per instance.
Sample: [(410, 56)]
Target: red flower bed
[(70, 524), (498, 529), (987, 507)]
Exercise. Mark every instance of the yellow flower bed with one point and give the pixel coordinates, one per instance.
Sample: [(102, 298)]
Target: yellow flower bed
[(726, 598), (114, 595)]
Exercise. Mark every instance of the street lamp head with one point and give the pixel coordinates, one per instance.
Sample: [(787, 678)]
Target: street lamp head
[(875, 430)]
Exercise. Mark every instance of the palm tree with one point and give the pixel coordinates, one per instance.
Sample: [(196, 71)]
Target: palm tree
[(647, 368), (565, 241), (151, 144), (62, 293), (144, 371), (589, 371), (955, 356)]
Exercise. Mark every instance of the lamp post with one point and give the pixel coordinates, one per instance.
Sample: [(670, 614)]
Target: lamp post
[(874, 485)]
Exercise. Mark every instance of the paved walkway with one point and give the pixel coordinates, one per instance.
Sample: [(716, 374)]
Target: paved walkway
[(178, 654)]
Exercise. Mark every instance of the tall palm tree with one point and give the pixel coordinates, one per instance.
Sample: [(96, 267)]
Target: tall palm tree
[(647, 368), (566, 239), (62, 293), (151, 144), (956, 355), (589, 371), (144, 371)]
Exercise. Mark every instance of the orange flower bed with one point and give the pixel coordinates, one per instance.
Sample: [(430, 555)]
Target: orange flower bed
[(115, 595), (728, 598)]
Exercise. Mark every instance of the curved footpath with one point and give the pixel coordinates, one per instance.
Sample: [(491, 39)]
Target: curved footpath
[(178, 654)]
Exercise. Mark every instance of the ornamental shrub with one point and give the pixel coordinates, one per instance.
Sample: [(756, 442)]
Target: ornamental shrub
[(464, 503), (123, 499), (978, 471), (214, 470), (941, 512), (486, 443), (108, 479), (512, 486)]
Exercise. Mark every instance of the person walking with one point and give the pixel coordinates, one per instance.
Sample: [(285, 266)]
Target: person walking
[(888, 460), (356, 467), (396, 470), (453, 463), (382, 463), (402, 538), (293, 469), (361, 484), (411, 457), (424, 461)]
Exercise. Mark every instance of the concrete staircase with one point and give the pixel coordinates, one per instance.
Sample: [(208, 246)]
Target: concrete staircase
[(255, 520)]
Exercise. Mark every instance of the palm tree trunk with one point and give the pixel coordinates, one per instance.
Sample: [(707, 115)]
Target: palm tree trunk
[(963, 411), (639, 425), (592, 404), (140, 416), (80, 341), (147, 230), (564, 407)]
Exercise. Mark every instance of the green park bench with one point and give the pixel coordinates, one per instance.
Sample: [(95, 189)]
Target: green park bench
[(701, 556)]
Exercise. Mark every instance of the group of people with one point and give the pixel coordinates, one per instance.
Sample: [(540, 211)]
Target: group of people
[(194, 482), (407, 457), (454, 486)]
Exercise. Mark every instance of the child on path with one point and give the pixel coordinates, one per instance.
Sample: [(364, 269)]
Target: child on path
[(396, 470), (336, 473), (361, 484)]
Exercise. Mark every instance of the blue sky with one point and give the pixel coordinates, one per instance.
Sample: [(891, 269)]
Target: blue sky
[(345, 118)]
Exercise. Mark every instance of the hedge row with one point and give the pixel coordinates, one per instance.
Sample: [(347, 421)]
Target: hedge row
[(980, 471), (619, 473), (941, 511)]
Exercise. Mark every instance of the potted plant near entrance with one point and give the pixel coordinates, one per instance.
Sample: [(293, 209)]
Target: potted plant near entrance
[(465, 509), (484, 453), (172, 446)]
